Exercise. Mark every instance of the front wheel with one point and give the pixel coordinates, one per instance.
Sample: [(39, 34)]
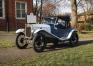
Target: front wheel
[(20, 41), (39, 43), (74, 39)]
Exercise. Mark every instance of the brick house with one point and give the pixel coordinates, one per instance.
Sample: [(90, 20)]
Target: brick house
[(12, 13)]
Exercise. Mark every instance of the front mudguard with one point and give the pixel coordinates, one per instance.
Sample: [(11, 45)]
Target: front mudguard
[(20, 31), (36, 32), (44, 33)]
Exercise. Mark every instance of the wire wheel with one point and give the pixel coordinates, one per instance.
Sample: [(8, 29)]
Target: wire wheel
[(20, 41), (39, 43)]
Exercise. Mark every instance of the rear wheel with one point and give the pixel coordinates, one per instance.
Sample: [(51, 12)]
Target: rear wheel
[(74, 39), (20, 41), (39, 43)]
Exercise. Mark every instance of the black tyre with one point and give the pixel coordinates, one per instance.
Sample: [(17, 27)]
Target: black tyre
[(39, 43), (20, 41), (74, 39)]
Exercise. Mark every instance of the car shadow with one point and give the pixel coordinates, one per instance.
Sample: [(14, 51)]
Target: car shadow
[(66, 45)]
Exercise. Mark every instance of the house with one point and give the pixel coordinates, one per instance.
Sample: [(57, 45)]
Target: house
[(13, 13), (82, 17)]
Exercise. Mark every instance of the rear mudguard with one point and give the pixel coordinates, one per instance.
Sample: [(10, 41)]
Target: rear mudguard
[(50, 35), (71, 33), (20, 31)]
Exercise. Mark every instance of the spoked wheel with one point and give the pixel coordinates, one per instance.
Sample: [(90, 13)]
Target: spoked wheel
[(39, 43), (20, 41), (74, 39)]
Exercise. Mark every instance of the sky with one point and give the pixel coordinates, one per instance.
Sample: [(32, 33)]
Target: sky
[(65, 7)]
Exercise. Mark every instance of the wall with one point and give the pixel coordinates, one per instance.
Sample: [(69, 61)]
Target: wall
[(10, 20)]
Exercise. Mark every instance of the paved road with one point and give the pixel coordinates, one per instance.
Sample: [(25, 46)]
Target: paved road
[(12, 54)]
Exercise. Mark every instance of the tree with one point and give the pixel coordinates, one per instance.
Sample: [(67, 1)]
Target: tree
[(48, 9), (43, 8), (85, 5), (74, 13), (51, 7)]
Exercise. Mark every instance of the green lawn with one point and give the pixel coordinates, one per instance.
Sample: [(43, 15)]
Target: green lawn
[(86, 34), (6, 43), (76, 56)]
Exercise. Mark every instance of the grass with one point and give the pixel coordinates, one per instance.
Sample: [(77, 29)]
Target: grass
[(76, 56), (86, 34), (6, 44)]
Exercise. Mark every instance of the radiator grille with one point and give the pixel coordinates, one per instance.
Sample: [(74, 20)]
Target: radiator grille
[(28, 31)]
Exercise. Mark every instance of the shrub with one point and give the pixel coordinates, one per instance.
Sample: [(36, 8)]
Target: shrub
[(80, 27), (87, 26), (90, 20)]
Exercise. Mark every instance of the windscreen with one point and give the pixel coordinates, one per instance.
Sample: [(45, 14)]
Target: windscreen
[(49, 20)]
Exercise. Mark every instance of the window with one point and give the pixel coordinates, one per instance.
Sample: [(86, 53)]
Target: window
[(20, 10), (1, 8)]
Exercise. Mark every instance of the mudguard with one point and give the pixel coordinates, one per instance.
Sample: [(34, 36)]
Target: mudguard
[(36, 31), (20, 30), (71, 32), (39, 31), (47, 34)]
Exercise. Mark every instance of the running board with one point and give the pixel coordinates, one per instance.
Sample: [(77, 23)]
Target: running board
[(63, 39)]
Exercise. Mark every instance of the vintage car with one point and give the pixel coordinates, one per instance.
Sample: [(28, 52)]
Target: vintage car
[(52, 30)]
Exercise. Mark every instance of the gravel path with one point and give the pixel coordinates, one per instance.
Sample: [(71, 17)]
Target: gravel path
[(12, 54)]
